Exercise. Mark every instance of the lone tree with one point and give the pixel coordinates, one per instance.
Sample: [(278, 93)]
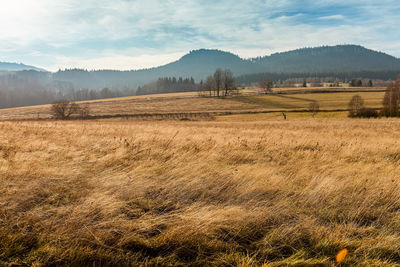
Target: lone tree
[(266, 85), (356, 105), (313, 108), (391, 100), (63, 109)]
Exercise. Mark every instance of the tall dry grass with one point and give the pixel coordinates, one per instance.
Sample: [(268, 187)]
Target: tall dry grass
[(202, 193)]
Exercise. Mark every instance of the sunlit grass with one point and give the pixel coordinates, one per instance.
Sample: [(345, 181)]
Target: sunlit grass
[(127, 193), (190, 103), (278, 115)]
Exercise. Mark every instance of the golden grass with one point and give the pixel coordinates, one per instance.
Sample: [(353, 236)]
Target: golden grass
[(130, 193), (327, 101), (163, 104), (279, 116)]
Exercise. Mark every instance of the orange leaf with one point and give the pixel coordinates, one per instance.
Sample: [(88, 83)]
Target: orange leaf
[(341, 255)]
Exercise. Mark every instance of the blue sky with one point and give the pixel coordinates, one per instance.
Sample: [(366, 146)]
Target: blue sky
[(131, 34)]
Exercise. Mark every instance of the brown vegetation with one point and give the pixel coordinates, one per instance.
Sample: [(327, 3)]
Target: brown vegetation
[(314, 108), (391, 100), (63, 109), (217, 193)]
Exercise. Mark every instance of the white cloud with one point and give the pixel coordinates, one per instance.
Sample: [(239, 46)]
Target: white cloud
[(130, 34)]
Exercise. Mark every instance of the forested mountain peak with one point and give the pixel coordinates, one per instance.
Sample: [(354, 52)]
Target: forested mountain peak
[(210, 53), (328, 58)]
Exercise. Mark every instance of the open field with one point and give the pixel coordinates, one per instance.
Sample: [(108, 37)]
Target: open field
[(271, 192), (189, 103)]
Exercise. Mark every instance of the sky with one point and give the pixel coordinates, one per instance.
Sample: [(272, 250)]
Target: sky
[(133, 34)]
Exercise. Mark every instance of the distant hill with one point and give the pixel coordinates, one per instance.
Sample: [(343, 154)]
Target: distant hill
[(338, 58), (203, 62), (6, 66), (200, 63)]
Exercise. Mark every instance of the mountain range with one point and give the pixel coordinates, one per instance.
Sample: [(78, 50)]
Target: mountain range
[(200, 63)]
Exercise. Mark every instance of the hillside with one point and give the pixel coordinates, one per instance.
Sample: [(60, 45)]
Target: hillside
[(6, 66), (328, 59)]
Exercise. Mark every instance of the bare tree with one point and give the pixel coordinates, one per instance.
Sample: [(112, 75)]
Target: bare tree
[(391, 100), (63, 109), (266, 85), (313, 108), (228, 82), (209, 85), (356, 105), (218, 80)]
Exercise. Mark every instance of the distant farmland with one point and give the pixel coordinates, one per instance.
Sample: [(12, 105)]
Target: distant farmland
[(182, 103)]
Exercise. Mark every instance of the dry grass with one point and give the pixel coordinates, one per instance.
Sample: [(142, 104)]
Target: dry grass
[(189, 103), (274, 192), (279, 116)]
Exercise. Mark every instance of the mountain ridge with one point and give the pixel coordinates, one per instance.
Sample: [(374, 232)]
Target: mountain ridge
[(203, 62), (215, 58), (12, 66)]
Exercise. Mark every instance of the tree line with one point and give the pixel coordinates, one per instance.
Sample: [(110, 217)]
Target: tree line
[(168, 85)]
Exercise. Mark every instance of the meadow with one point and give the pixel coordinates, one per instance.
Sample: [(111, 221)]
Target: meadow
[(241, 187), (231, 193), (186, 103)]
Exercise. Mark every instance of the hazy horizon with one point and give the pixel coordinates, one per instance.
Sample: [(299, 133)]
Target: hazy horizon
[(128, 35)]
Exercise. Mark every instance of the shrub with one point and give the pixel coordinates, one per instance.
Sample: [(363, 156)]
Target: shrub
[(368, 113), (63, 110)]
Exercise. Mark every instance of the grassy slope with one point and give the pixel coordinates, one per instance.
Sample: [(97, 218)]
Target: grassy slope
[(227, 193), (183, 103)]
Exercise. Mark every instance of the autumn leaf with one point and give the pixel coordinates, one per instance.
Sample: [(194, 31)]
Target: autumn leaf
[(341, 255)]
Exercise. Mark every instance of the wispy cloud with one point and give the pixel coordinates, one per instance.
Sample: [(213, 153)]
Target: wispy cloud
[(130, 34), (331, 17)]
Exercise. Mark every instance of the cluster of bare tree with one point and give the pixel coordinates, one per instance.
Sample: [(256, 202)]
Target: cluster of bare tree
[(64, 110), (221, 83)]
